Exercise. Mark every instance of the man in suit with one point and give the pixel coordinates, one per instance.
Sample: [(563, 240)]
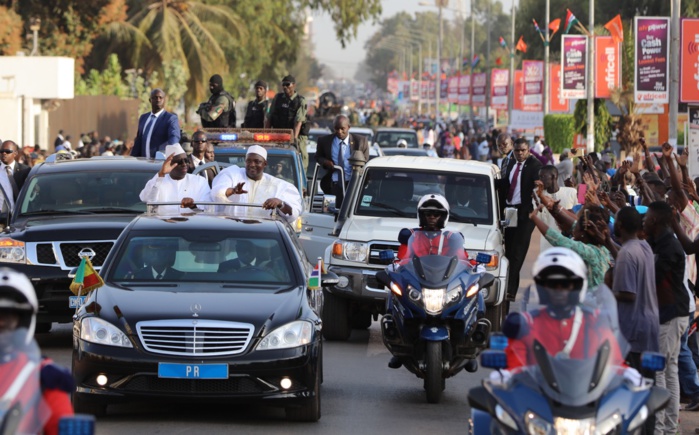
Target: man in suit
[(159, 258), (198, 157), (13, 173), (156, 129), (515, 188), (335, 150), (247, 257)]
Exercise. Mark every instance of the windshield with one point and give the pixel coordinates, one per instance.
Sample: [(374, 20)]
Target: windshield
[(396, 192), (572, 364), (84, 192), (281, 166), (390, 139), (201, 257)]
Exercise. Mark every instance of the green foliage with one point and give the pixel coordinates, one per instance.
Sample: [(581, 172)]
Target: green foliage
[(10, 32), (559, 131), (603, 121), (107, 82)]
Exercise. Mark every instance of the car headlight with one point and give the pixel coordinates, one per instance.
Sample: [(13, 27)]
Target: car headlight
[(292, 334), (639, 418), (504, 417), (12, 251), (351, 251), (98, 331), (494, 258), (433, 300), (566, 426)]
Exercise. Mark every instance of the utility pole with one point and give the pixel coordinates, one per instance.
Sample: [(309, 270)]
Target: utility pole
[(511, 99), (487, 63), (461, 50), (674, 71), (473, 49), (591, 82), (438, 80), (546, 57)]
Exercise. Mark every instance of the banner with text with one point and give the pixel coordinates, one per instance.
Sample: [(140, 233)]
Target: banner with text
[(414, 90), (689, 60), (533, 71), (651, 55), (693, 120), (464, 90), (453, 90), (500, 84), (607, 66), (432, 90), (479, 84), (518, 104), (556, 103), (443, 91), (574, 67)]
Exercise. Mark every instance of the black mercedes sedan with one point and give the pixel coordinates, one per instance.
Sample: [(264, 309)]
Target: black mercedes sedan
[(202, 307)]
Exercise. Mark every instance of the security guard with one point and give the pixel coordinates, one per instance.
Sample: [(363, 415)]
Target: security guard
[(257, 108), (288, 110), (219, 111)]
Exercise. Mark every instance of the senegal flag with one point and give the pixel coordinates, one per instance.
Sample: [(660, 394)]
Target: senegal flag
[(87, 277)]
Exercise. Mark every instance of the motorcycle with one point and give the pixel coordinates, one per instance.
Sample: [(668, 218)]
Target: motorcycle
[(434, 323), (22, 408), (583, 388)]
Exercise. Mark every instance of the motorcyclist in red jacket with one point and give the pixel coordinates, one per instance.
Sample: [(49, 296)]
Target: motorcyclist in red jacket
[(18, 307)]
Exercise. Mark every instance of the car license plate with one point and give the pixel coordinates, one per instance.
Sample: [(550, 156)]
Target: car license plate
[(192, 371), (76, 301)]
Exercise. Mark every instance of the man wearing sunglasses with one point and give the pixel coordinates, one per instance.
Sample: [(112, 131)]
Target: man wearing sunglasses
[(13, 172), (173, 184), (288, 110), (198, 157)]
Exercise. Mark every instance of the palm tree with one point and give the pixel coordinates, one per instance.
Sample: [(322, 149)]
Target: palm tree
[(189, 31)]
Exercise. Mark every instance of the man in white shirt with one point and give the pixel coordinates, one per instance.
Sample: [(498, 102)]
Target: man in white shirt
[(567, 196), (538, 147), (250, 185), (172, 184)]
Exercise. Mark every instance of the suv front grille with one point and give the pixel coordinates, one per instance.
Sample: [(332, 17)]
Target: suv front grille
[(194, 337), (44, 253), (375, 248), (70, 252)]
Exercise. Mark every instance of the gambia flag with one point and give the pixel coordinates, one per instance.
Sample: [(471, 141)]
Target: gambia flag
[(314, 279), (86, 278), (570, 20), (503, 44)]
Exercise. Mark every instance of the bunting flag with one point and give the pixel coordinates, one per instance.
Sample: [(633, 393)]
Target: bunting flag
[(86, 278), (475, 61), (314, 279), (616, 29), (536, 26), (554, 26), (570, 20), (498, 61), (503, 44), (521, 45)]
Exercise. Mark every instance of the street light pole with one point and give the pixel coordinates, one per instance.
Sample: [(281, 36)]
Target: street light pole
[(591, 82), (473, 49), (511, 100), (674, 71), (438, 79), (546, 58)]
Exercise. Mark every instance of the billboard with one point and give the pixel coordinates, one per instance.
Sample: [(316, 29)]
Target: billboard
[(689, 60), (651, 79), (574, 67), (607, 66)]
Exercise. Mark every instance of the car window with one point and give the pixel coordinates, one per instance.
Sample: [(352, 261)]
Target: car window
[(396, 192), (204, 257), (281, 166), (85, 191), (390, 139)]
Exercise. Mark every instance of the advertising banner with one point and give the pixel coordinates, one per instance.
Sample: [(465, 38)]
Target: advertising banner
[(574, 67), (651, 55), (533, 98), (689, 60), (453, 90), (693, 120), (464, 90), (424, 90), (479, 83), (556, 103), (443, 84), (499, 82), (607, 66), (392, 85), (414, 90), (518, 94)]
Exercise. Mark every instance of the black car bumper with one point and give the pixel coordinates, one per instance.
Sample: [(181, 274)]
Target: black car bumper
[(133, 374), (52, 287)]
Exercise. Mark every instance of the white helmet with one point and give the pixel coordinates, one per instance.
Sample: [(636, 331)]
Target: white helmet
[(433, 201), (402, 143), (560, 264), (17, 294)]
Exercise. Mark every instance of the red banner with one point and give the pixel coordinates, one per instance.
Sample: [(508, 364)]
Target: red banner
[(453, 90), (479, 84), (464, 90), (556, 103), (533, 89), (499, 84), (414, 90), (607, 66), (519, 90), (689, 60)]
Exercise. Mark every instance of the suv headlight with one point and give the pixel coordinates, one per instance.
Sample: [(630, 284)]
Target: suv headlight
[(98, 331), (12, 251), (351, 251), (292, 334), (494, 258)]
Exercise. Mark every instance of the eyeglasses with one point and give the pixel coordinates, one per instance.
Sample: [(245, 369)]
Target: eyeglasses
[(6, 151), (199, 141), (286, 84), (433, 213), (179, 161)]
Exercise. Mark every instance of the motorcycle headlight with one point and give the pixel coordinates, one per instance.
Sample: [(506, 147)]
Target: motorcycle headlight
[(12, 251), (504, 417), (567, 426), (351, 251), (433, 300), (292, 334), (538, 426), (98, 331), (639, 418)]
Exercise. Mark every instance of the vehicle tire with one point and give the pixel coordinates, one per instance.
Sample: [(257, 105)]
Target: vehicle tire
[(336, 325), (43, 327), (496, 314), (85, 406), (310, 411), (361, 320), (433, 371)]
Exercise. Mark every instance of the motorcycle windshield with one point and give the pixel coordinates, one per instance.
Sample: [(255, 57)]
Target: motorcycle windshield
[(435, 257), (22, 407), (571, 348)]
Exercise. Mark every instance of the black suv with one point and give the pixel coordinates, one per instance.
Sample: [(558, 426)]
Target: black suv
[(66, 207)]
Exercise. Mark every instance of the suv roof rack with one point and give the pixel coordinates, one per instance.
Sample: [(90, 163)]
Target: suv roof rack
[(268, 138)]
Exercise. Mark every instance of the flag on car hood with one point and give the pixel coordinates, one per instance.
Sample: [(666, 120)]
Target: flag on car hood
[(86, 278)]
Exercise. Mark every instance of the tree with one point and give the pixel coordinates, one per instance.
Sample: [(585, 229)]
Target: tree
[(106, 82), (10, 32)]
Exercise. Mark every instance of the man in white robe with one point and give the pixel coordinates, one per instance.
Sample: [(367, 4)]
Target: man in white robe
[(250, 185), (173, 184)]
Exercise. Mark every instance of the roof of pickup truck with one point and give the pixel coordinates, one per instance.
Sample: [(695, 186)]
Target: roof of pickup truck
[(446, 165)]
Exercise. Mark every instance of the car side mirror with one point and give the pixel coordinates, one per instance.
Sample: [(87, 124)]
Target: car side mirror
[(383, 278), (510, 220), (486, 280), (329, 279)]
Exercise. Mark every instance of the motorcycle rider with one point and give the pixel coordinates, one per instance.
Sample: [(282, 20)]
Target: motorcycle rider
[(18, 307)]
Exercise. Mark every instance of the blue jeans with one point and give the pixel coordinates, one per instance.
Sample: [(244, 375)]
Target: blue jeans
[(689, 381)]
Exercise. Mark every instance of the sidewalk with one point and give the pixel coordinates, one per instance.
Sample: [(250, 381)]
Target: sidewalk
[(689, 420)]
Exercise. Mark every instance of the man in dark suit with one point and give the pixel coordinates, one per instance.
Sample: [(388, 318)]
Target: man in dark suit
[(13, 173), (247, 257), (515, 190), (156, 129), (198, 156), (335, 150), (159, 260)]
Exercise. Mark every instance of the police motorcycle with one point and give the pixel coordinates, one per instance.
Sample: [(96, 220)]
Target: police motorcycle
[(578, 385), (435, 321)]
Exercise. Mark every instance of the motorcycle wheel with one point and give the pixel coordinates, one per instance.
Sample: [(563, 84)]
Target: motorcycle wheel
[(433, 371)]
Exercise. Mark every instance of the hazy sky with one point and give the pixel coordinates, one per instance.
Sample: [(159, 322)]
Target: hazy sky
[(329, 51)]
